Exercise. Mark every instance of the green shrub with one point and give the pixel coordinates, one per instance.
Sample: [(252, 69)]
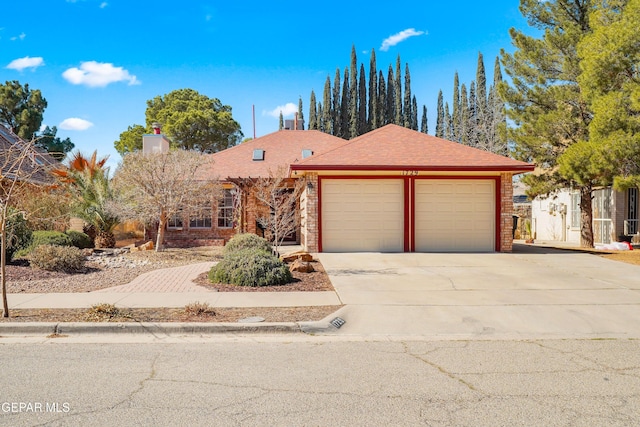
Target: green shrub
[(250, 267), (57, 258), (246, 241), (79, 240), (18, 233), (56, 238)]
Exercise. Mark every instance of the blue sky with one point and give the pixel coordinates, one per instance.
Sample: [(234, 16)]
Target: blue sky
[(97, 62)]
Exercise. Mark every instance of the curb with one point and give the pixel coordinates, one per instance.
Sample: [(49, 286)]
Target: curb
[(166, 329)]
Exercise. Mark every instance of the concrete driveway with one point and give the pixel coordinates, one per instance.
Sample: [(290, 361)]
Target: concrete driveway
[(531, 293)]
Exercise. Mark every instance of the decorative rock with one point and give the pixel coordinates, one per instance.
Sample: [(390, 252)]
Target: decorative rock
[(304, 256), (301, 266)]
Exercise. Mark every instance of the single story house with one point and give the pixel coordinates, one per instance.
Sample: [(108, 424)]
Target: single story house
[(390, 190), (615, 213)]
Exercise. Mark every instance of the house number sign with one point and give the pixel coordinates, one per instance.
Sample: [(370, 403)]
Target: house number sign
[(409, 173)]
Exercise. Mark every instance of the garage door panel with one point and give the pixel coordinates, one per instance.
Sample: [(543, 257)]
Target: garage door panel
[(362, 215), (454, 215)]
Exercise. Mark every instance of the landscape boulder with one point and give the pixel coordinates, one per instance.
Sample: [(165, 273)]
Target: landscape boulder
[(301, 266), (304, 256)]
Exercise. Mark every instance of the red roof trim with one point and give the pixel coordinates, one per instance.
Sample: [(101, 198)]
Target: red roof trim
[(505, 168)]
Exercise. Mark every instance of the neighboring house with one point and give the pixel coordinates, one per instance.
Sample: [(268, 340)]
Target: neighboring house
[(35, 170), (614, 214), (390, 190)]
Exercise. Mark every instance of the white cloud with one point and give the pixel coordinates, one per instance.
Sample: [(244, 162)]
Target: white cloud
[(98, 74), (75, 123), (20, 37), (103, 5), (26, 62), (399, 37), (287, 110)]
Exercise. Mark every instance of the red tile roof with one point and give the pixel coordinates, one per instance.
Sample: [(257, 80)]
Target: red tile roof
[(394, 147), (281, 148)]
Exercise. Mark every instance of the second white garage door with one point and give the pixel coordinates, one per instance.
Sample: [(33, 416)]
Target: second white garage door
[(362, 215), (455, 215)]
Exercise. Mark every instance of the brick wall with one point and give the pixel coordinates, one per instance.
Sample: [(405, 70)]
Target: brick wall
[(506, 212), (310, 210)]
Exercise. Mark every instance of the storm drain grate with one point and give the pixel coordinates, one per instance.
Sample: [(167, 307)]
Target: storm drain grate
[(338, 322)]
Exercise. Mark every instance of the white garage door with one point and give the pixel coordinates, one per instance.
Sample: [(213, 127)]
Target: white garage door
[(454, 215), (362, 215)]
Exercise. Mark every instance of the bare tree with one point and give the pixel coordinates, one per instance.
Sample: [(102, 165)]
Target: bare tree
[(154, 187), (278, 196), (22, 167)]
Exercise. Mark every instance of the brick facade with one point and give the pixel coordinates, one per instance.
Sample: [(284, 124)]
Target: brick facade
[(309, 214), (506, 212)]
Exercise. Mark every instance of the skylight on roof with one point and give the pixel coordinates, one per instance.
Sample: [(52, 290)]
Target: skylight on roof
[(258, 154), (306, 153)]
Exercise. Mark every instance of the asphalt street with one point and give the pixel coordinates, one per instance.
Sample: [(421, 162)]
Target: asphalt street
[(317, 381)]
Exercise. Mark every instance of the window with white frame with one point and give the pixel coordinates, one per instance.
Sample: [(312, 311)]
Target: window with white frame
[(575, 210), (225, 210), (201, 218), (175, 222)]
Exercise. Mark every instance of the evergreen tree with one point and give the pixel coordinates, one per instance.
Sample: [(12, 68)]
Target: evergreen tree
[(456, 108), (481, 104), (391, 96), (546, 104), (382, 101), (408, 111), (414, 113), (472, 117), (353, 95), (397, 90), (440, 120), (345, 109), (336, 112), (448, 123), (313, 112), (320, 118), (300, 113), (372, 120), (327, 113), (362, 102), (281, 121), (424, 126), (463, 122)]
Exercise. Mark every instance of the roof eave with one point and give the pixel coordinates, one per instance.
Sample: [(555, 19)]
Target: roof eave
[(498, 168)]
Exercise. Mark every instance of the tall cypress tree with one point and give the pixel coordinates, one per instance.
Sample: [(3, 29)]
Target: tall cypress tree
[(372, 119), (424, 126), (391, 96), (472, 117), (397, 90), (414, 113), (362, 102), (313, 112), (448, 128), (463, 123), (300, 113), (337, 107), (498, 134), (345, 109), (327, 114), (382, 101), (280, 121), (481, 102), (408, 110), (440, 119), (456, 108), (353, 95), (320, 115)]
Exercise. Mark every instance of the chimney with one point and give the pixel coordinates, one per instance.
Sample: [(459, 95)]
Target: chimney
[(156, 128)]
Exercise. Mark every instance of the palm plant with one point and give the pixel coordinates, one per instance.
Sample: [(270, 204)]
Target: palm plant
[(89, 183)]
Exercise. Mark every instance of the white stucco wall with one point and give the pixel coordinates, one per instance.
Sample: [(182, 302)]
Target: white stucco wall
[(548, 224)]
